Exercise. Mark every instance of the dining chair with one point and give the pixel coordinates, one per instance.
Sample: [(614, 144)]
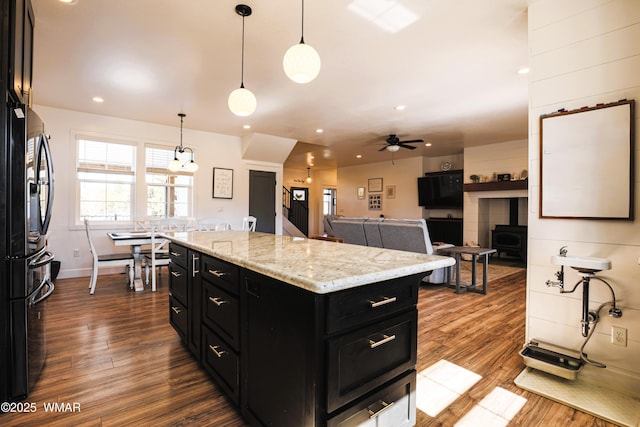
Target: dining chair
[(108, 260), (213, 224), (249, 223), (157, 257)]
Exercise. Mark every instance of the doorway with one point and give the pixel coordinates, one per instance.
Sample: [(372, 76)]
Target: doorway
[(262, 200)]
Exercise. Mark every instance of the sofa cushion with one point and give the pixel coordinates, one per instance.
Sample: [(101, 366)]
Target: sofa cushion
[(372, 232), (351, 230)]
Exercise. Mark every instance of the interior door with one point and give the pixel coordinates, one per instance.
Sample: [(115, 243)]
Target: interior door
[(262, 200)]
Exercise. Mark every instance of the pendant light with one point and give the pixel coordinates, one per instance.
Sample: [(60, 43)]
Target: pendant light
[(242, 102), (301, 62), (308, 175), (175, 164)]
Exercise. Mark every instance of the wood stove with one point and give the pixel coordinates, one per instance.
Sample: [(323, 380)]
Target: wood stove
[(511, 239)]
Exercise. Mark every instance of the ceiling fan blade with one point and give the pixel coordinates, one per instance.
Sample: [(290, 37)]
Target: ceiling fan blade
[(383, 148), (410, 147), (412, 141)]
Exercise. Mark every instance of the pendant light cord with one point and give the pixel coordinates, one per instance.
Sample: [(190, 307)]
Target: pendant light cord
[(302, 31), (242, 62)]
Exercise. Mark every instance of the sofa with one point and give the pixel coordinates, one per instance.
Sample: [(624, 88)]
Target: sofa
[(409, 235)]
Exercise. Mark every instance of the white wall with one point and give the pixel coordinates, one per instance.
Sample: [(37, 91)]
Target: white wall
[(403, 174), (211, 150), (583, 53)]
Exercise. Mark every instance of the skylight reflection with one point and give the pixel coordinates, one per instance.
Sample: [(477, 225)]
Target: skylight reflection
[(389, 15)]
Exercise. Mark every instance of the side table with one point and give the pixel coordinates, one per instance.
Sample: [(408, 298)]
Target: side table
[(475, 252)]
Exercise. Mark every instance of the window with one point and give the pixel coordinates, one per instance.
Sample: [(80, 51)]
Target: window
[(169, 194), (108, 185), (106, 179)]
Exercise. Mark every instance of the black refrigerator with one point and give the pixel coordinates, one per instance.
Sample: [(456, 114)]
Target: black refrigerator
[(26, 196)]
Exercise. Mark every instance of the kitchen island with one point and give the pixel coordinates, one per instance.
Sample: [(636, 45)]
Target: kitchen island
[(301, 332)]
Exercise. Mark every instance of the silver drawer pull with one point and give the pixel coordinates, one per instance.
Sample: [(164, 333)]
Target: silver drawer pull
[(385, 406), (386, 338), (176, 310), (385, 300), (214, 348), (176, 254), (175, 274), (217, 273), (218, 301)]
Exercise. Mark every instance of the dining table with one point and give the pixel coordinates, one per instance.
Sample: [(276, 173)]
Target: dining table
[(134, 239)]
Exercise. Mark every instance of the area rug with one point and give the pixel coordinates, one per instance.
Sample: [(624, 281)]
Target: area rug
[(496, 271), (615, 407)]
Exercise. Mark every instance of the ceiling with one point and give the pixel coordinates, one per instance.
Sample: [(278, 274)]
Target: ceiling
[(454, 67)]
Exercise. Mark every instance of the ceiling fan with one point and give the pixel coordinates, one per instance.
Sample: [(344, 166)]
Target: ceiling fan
[(394, 143)]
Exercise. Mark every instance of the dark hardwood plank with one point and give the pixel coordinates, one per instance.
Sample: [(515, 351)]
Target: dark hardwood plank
[(116, 354)]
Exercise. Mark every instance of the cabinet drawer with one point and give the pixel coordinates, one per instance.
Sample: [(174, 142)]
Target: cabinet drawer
[(221, 273), (221, 312), (222, 363), (366, 303), (178, 317), (178, 254), (392, 406), (364, 359), (178, 282)]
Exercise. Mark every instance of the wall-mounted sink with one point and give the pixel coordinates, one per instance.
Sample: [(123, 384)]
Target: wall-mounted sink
[(583, 264)]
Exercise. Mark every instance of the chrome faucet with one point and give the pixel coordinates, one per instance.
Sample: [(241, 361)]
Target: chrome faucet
[(559, 274)]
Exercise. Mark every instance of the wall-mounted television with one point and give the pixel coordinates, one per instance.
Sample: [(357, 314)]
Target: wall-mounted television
[(441, 190)]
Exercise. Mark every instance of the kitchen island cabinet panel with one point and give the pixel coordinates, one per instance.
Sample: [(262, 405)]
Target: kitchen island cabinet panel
[(391, 406), (298, 333), (282, 354), (368, 357), (221, 312), (363, 304), (222, 363)]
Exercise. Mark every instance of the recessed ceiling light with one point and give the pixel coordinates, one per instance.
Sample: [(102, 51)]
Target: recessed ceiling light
[(523, 70), (428, 144), (359, 156), (69, 2), (319, 130), (98, 99), (246, 127), (400, 107)]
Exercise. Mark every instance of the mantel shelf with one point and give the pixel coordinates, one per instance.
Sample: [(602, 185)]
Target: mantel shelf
[(522, 184)]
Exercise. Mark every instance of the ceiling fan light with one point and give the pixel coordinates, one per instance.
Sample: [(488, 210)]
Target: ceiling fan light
[(242, 102), (393, 148), (301, 63)]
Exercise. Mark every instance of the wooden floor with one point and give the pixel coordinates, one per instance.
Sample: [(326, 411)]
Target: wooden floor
[(115, 354)]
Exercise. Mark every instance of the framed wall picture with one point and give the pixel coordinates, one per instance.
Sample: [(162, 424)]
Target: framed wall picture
[(361, 193), (222, 183), (375, 185), (391, 191), (375, 202)]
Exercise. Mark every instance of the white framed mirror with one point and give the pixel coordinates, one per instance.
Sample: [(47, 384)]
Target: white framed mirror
[(586, 162)]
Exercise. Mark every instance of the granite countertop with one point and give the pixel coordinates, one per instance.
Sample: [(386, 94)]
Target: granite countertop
[(315, 265)]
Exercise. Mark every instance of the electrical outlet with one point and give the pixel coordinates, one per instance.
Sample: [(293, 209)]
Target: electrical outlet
[(76, 252), (619, 336)]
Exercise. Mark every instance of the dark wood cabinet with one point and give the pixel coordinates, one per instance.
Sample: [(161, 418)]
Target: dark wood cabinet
[(288, 356), (447, 230), (185, 296), (21, 57)]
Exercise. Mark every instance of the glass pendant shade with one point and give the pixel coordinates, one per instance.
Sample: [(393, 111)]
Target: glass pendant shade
[(242, 102), (174, 165), (301, 63), (191, 166)]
